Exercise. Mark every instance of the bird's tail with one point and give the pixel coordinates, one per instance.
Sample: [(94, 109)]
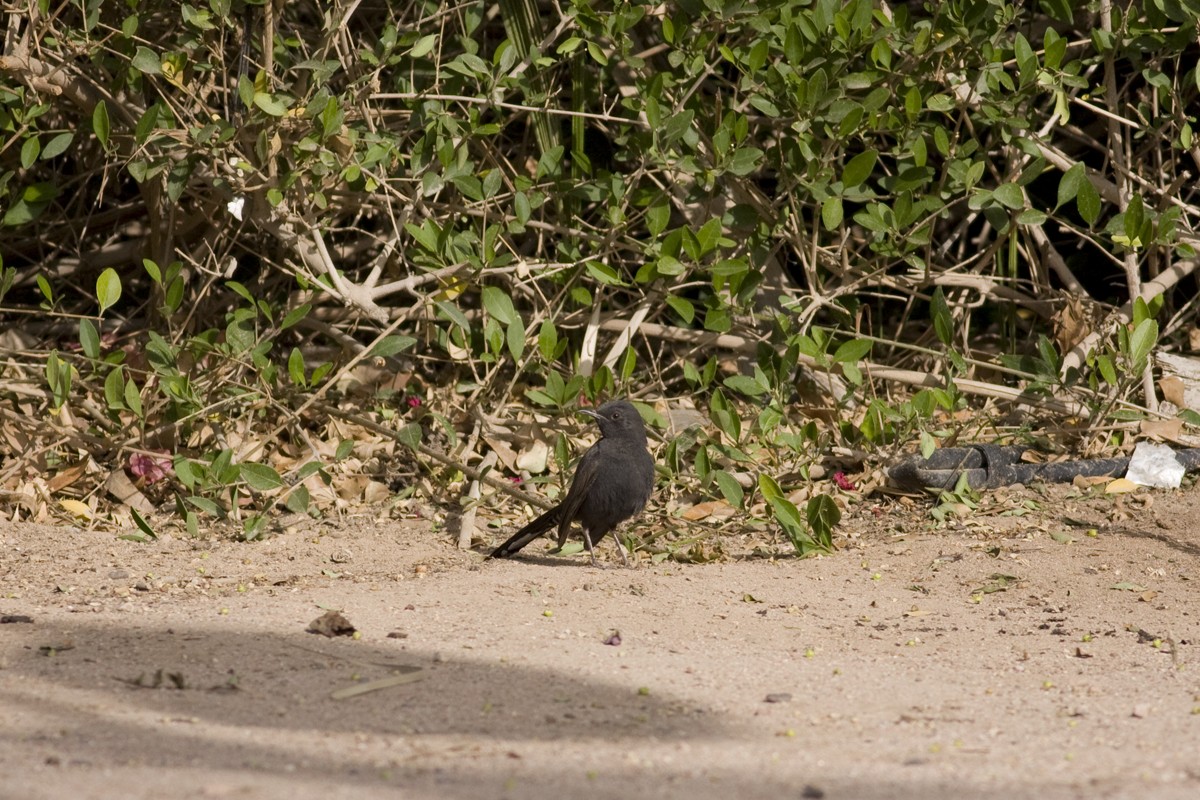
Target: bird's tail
[(533, 530)]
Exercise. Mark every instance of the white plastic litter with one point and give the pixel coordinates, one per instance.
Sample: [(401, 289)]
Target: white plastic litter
[(1154, 465)]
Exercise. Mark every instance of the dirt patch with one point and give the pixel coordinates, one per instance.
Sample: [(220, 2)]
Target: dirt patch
[(993, 659)]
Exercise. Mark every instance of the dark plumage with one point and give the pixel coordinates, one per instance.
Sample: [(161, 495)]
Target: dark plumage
[(612, 483)]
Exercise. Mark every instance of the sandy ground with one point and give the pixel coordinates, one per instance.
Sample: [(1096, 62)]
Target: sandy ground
[(183, 668)]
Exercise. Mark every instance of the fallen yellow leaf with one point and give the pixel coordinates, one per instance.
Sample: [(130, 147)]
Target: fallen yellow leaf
[(1121, 486), (77, 509)]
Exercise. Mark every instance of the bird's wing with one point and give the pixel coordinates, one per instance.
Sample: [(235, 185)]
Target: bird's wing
[(585, 475)]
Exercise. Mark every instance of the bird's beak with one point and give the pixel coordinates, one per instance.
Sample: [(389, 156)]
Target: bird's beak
[(590, 413)]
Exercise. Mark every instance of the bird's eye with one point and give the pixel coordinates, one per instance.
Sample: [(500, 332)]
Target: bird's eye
[(616, 415)]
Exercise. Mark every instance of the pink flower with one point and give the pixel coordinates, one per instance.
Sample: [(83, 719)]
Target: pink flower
[(844, 483), (413, 401), (151, 467)]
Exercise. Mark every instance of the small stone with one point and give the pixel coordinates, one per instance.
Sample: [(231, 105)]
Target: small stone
[(118, 574), (778, 697)]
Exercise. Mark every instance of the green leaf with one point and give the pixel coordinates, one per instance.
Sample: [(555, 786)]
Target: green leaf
[(597, 54), (58, 378), (603, 273), (142, 524), (260, 477), (669, 266), (207, 506), (295, 315), (152, 270), (913, 102), (683, 307), (731, 490), (548, 340), (1135, 216), (492, 182), (241, 291), (787, 515), (1107, 369), (108, 289), (1068, 184), (410, 435), (1026, 60), (45, 288), (943, 322), (745, 160), (764, 105), (133, 398), (657, 217), (100, 123), (859, 168), (390, 345), (344, 449), (298, 501), (1010, 195), (515, 339), (746, 385), (274, 105), (831, 212), (423, 46), (521, 207), (822, 515), (147, 61), (426, 235), (497, 303), (57, 146), (569, 46), (295, 365), (1141, 342), (89, 338), (30, 151), (853, 350), (114, 389), (709, 235), (676, 127), (1087, 202)]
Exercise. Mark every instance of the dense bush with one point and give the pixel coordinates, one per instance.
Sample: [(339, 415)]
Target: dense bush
[(829, 224)]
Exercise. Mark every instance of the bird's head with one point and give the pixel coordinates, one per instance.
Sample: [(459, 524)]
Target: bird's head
[(618, 418)]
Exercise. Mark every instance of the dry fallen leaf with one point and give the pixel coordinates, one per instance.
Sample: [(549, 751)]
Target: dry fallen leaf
[(121, 488), (1173, 389), (1167, 430), (533, 457), (66, 477), (712, 508), (1120, 486), (414, 674), (77, 509)]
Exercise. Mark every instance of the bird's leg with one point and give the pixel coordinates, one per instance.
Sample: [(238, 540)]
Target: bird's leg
[(587, 541), (621, 549)]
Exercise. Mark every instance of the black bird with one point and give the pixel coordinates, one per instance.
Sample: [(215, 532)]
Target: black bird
[(612, 483)]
